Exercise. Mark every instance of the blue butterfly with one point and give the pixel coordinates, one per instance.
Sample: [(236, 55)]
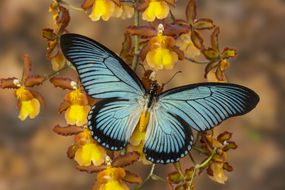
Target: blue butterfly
[(168, 135)]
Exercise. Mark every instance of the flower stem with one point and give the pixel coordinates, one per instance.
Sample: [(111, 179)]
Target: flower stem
[(208, 159), (203, 164), (147, 178), (136, 40), (192, 158), (178, 168), (197, 138), (197, 61), (70, 6), (199, 149), (48, 76)]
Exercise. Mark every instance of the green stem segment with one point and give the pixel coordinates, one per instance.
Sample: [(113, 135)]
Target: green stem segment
[(70, 6), (136, 41), (178, 168), (203, 164), (147, 178), (54, 73), (197, 62)]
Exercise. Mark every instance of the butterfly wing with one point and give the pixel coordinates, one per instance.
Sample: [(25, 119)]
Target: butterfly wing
[(112, 122), (205, 105), (201, 106), (168, 137), (102, 73)]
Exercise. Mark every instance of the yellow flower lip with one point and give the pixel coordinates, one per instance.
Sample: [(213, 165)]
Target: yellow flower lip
[(78, 109), (90, 153), (161, 53), (29, 108), (102, 9), (77, 114), (156, 9), (29, 105), (105, 9), (161, 58)]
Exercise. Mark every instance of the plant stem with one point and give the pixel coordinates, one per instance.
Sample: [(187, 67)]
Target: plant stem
[(48, 76), (192, 158), (203, 164), (178, 168), (197, 138), (147, 178), (136, 40), (70, 6), (208, 159), (199, 149), (197, 62), (172, 16)]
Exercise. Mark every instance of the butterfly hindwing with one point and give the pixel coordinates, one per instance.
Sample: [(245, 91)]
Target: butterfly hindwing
[(102, 73), (168, 137), (112, 121), (205, 105)]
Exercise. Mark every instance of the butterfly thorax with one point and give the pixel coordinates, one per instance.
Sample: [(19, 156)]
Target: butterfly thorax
[(151, 94)]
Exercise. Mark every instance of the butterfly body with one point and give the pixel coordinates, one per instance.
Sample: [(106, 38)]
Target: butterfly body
[(167, 117), (151, 95)]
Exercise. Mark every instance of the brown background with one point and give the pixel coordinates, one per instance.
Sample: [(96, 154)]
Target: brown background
[(33, 157)]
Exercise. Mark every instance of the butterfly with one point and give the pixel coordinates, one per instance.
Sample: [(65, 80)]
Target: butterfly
[(173, 113)]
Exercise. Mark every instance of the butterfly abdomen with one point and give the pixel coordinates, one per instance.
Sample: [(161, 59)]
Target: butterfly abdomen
[(144, 121)]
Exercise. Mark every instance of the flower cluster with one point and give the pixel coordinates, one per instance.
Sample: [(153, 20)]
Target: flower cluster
[(218, 164), (76, 106), (160, 42), (218, 59)]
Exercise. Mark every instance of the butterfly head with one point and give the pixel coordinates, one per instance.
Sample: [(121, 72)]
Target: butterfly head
[(153, 87)]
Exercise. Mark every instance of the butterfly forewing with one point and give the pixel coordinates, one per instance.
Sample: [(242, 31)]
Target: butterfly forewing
[(206, 105), (102, 73)]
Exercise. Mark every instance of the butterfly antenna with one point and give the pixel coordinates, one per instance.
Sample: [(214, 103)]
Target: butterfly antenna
[(178, 72)]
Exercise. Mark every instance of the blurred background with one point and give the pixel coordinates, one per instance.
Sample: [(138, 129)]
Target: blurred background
[(33, 157)]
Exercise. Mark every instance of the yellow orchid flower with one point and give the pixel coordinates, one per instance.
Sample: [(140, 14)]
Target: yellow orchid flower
[(77, 112), (29, 105), (111, 179), (88, 151), (161, 55), (106, 9), (102, 9), (156, 9)]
